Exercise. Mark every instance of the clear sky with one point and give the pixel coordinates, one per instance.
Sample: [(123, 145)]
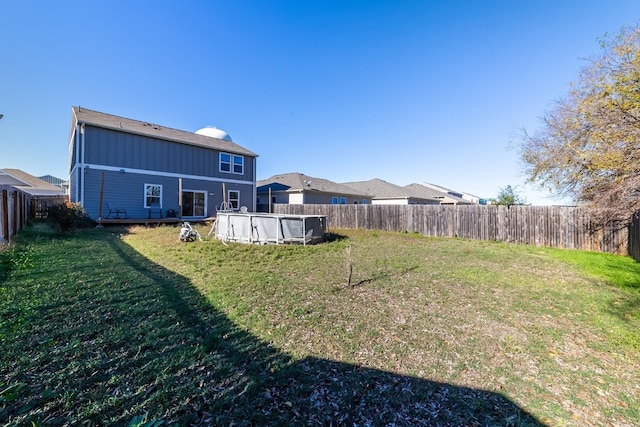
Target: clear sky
[(405, 91)]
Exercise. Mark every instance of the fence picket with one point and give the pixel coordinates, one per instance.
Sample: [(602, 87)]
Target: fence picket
[(551, 226)]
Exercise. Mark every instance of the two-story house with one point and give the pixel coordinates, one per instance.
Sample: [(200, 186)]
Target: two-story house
[(138, 169)]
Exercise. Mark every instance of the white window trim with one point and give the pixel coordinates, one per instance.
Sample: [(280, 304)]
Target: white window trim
[(232, 158), (145, 195), (229, 198)]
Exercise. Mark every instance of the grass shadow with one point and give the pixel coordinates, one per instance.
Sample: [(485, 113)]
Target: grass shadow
[(330, 236), (129, 338)]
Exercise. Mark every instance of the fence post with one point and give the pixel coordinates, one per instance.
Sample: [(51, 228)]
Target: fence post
[(4, 220)]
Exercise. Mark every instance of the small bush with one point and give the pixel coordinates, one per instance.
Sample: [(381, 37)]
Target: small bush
[(68, 217)]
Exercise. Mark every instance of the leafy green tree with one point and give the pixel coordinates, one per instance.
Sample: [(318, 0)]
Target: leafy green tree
[(509, 196), (588, 146)]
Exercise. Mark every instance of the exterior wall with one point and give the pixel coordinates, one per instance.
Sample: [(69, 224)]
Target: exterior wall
[(74, 185), (308, 198), (281, 197), (409, 201), (296, 198), (262, 202), (129, 151), (125, 190), (390, 202), (130, 161), (326, 198)]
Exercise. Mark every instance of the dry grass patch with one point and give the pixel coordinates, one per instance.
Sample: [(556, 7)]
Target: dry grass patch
[(370, 328)]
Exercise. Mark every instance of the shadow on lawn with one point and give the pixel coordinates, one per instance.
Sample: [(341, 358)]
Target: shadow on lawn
[(151, 345)]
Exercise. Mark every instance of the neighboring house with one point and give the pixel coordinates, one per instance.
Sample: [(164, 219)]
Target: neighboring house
[(466, 196), (56, 181), (29, 184), (296, 188), (35, 198), (386, 193), (443, 198), (147, 169)]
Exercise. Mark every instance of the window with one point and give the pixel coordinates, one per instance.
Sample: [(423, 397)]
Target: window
[(234, 199), (238, 165), (152, 195), (274, 199), (364, 201), (343, 200), (334, 200), (231, 163)]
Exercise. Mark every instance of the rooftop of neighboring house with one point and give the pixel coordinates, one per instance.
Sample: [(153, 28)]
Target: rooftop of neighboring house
[(439, 195), (296, 181), (451, 192), (28, 183), (55, 181), (123, 124), (375, 188), (381, 189)]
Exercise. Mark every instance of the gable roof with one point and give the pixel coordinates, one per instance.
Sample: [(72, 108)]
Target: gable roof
[(381, 189), (462, 194), (52, 180), (123, 124), (295, 181), (28, 183), (430, 192)]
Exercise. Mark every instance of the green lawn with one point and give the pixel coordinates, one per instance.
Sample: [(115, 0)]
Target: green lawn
[(116, 326)]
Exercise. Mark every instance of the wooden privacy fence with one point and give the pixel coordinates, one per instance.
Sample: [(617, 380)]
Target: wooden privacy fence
[(13, 211), (18, 207), (551, 226), (634, 237)]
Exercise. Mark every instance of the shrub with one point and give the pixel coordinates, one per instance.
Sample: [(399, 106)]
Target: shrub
[(68, 217)]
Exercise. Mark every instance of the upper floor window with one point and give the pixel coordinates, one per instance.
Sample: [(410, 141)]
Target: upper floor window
[(152, 195), (231, 163)]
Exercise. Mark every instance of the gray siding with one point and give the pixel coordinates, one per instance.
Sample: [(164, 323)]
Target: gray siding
[(281, 197), (73, 184), (311, 198), (129, 151), (125, 190), (323, 198)]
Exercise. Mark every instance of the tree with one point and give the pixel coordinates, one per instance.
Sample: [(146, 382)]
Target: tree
[(589, 145), (509, 196)]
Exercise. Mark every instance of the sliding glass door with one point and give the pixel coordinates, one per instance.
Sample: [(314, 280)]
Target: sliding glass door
[(193, 203)]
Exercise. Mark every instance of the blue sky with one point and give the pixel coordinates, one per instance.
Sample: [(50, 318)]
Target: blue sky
[(405, 91)]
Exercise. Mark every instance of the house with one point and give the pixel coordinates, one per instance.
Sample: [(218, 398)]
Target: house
[(466, 196), (386, 193), (442, 197), (56, 181), (34, 196), (28, 184), (137, 169), (297, 188)]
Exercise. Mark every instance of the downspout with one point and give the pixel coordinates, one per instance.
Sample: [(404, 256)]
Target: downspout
[(82, 165), (255, 187), (77, 165)]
